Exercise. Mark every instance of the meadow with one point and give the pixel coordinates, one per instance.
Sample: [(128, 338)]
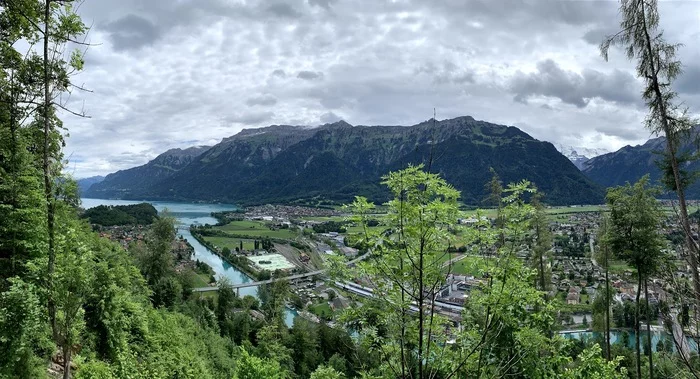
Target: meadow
[(256, 229)]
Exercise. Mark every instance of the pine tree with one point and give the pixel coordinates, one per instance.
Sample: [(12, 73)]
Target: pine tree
[(658, 67)]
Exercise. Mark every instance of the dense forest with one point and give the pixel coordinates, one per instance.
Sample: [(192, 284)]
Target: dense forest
[(73, 304), (136, 214)]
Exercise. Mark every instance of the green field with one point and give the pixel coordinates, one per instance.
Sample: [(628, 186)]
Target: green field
[(256, 229), (554, 211), (359, 229), (322, 310), (231, 242), (619, 266), (468, 266), (567, 210), (325, 218), (201, 280)]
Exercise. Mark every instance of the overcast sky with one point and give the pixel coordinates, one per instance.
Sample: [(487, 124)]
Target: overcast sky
[(190, 72)]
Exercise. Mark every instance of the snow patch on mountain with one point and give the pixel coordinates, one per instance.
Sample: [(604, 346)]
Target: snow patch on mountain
[(579, 155)]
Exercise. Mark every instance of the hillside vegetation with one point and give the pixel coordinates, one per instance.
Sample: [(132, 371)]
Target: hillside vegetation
[(335, 162)]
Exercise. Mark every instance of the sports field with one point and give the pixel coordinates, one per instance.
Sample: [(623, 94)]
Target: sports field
[(276, 262)]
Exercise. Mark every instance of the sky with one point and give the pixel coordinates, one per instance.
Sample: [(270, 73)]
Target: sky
[(178, 73)]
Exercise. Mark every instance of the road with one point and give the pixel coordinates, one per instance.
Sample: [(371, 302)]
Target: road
[(291, 277)]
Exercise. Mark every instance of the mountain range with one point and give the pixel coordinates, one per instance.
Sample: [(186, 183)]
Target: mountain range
[(579, 155), (334, 162), (85, 183), (630, 163), (137, 179)]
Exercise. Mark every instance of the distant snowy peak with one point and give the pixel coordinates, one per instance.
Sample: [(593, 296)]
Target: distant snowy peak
[(579, 155)]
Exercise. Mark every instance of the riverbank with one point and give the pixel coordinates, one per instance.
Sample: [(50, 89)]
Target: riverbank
[(255, 275)]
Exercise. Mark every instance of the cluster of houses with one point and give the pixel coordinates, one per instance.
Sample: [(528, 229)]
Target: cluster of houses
[(124, 234), (576, 277), (287, 212)]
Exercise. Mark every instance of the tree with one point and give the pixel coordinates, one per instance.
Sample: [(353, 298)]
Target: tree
[(252, 367), (272, 299), (155, 259), (591, 366), (658, 67), (504, 317), (302, 341), (542, 236), (603, 259), (21, 330), (324, 372), (635, 218), (22, 231), (224, 304), (74, 275), (405, 268)]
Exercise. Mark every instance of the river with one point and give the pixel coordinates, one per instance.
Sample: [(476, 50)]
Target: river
[(617, 336), (187, 214)]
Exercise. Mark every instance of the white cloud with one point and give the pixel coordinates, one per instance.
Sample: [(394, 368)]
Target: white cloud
[(177, 74)]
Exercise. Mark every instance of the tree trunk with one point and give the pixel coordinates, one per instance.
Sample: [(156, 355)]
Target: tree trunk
[(421, 315), (680, 191), (636, 324), (651, 351), (607, 307), (46, 165), (66, 362)]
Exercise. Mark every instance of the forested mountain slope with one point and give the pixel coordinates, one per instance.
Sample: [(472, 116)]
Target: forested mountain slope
[(630, 163), (338, 161)]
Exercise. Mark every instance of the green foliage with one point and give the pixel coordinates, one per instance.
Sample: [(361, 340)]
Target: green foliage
[(635, 217), (23, 331), (137, 214), (330, 226), (329, 163), (590, 365), (252, 367), (323, 372)]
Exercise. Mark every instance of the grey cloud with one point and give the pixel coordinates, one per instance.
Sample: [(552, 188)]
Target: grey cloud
[(689, 81), (322, 3), (550, 80), (310, 75), (250, 118), (131, 32), (266, 100), (211, 65), (329, 118), (279, 73), (597, 35), (626, 133), (130, 159), (283, 10), (447, 73)]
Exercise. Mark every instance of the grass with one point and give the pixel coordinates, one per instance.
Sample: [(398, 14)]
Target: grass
[(256, 229), (201, 280), (554, 211), (324, 218), (571, 209), (322, 310), (231, 242), (617, 266), (468, 266), (359, 229)]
